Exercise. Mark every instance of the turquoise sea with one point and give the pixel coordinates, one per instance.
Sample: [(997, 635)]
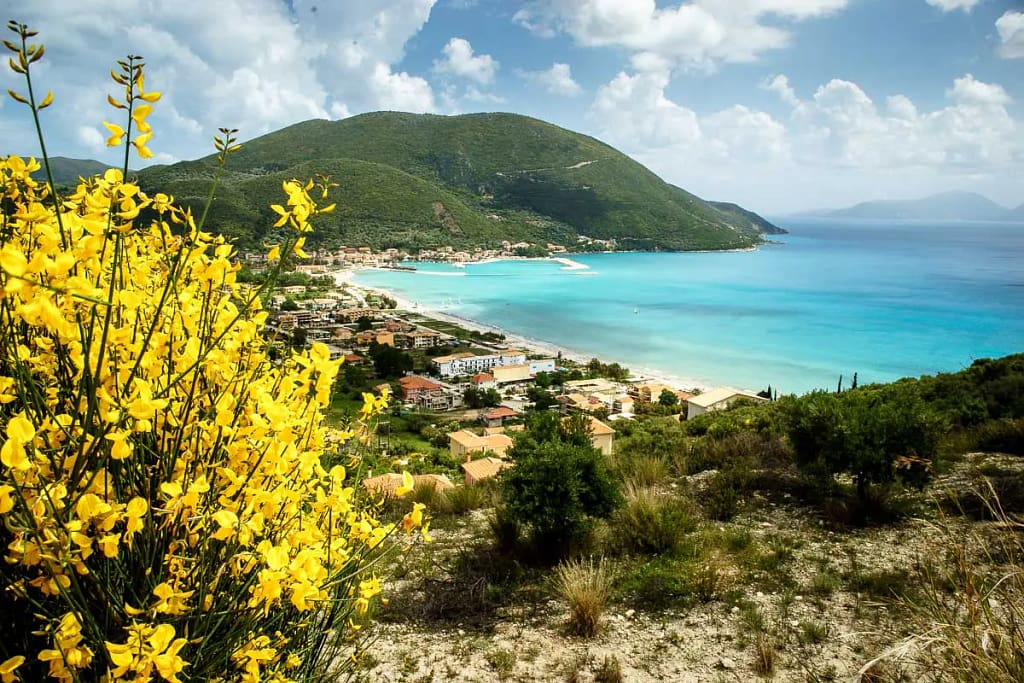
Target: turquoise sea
[(883, 299)]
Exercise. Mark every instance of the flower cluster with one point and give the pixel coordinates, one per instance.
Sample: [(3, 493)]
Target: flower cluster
[(163, 503)]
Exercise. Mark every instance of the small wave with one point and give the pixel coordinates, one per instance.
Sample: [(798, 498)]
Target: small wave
[(438, 274), (585, 272)]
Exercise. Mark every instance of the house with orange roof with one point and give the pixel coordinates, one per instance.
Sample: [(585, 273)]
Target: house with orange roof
[(386, 484), (484, 468), (601, 435), (483, 380), (497, 417)]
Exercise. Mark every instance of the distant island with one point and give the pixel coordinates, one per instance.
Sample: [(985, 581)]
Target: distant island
[(945, 206), (419, 181)]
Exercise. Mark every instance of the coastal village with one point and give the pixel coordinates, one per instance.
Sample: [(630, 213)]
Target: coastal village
[(475, 380)]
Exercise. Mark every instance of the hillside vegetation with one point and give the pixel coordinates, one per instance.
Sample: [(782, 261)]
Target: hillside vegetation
[(410, 180), (736, 546)]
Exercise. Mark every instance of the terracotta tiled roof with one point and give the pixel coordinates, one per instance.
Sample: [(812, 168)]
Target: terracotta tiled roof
[(484, 467), (418, 383), (598, 428), (387, 483)]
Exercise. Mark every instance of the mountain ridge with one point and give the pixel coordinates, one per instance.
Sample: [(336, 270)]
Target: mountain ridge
[(509, 177), (425, 180), (952, 205)]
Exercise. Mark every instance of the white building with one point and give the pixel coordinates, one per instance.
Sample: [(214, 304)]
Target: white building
[(468, 364), (716, 399), (542, 365)]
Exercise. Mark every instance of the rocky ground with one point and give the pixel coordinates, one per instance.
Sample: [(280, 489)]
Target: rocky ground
[(812, 604)]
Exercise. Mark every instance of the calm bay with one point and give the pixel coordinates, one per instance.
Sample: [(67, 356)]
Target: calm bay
[(884, 299)]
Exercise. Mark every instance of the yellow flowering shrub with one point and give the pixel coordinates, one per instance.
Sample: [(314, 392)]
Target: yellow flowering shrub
[(164, 510)]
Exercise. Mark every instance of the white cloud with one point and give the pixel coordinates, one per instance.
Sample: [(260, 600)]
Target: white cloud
[(459, 60), (968, 90), (557, 80), (698, 33), (743, 134), (632, 111), (250, 64), (779, 84), (842, 125), (92, 139), (1011, 35), (837, 141), (950, 5), (400, 91)]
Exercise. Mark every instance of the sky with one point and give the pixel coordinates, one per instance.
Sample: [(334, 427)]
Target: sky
[(780, 105)]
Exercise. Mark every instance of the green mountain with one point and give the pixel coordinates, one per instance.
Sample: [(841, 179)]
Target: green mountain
[(412, 180), (737, 215), (67, 171)]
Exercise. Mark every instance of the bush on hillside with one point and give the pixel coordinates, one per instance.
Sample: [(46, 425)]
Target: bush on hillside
[(559, 484), (876, 435)]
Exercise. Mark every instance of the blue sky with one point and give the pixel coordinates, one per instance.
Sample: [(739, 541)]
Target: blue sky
[(780, 105)]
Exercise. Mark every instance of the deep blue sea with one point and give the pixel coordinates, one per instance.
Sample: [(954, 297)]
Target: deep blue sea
[(883, 299)]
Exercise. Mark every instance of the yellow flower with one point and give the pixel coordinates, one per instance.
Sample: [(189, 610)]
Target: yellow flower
[(19, 432), (108, 544), (228, 522), (414, 518), (170, 600), (13, 261), (8, 667), (408, 484), (140, 145), (116, 133), (6, 501), (139, 114)]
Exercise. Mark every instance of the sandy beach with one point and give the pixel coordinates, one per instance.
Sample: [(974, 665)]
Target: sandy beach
[(514, 340)]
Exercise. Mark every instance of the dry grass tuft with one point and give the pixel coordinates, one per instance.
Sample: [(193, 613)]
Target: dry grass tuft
[(764, 655), (969, 614), (584, 585)]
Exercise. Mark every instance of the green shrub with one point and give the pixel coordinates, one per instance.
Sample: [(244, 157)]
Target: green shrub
[(1002, 436), (462, 499), (654, 523), (813, 633), (559, 484), (664, 582), (722, 499), (875, 434), (643, 471)]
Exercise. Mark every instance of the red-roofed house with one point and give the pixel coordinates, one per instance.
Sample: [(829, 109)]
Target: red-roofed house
[(497, 417), (483, 380), (428, 394)]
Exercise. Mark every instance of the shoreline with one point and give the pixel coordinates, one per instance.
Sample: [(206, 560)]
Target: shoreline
[(513, 339)]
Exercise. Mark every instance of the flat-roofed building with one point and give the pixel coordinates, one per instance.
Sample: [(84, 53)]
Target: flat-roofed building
[(469, 364), (464, 443)]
